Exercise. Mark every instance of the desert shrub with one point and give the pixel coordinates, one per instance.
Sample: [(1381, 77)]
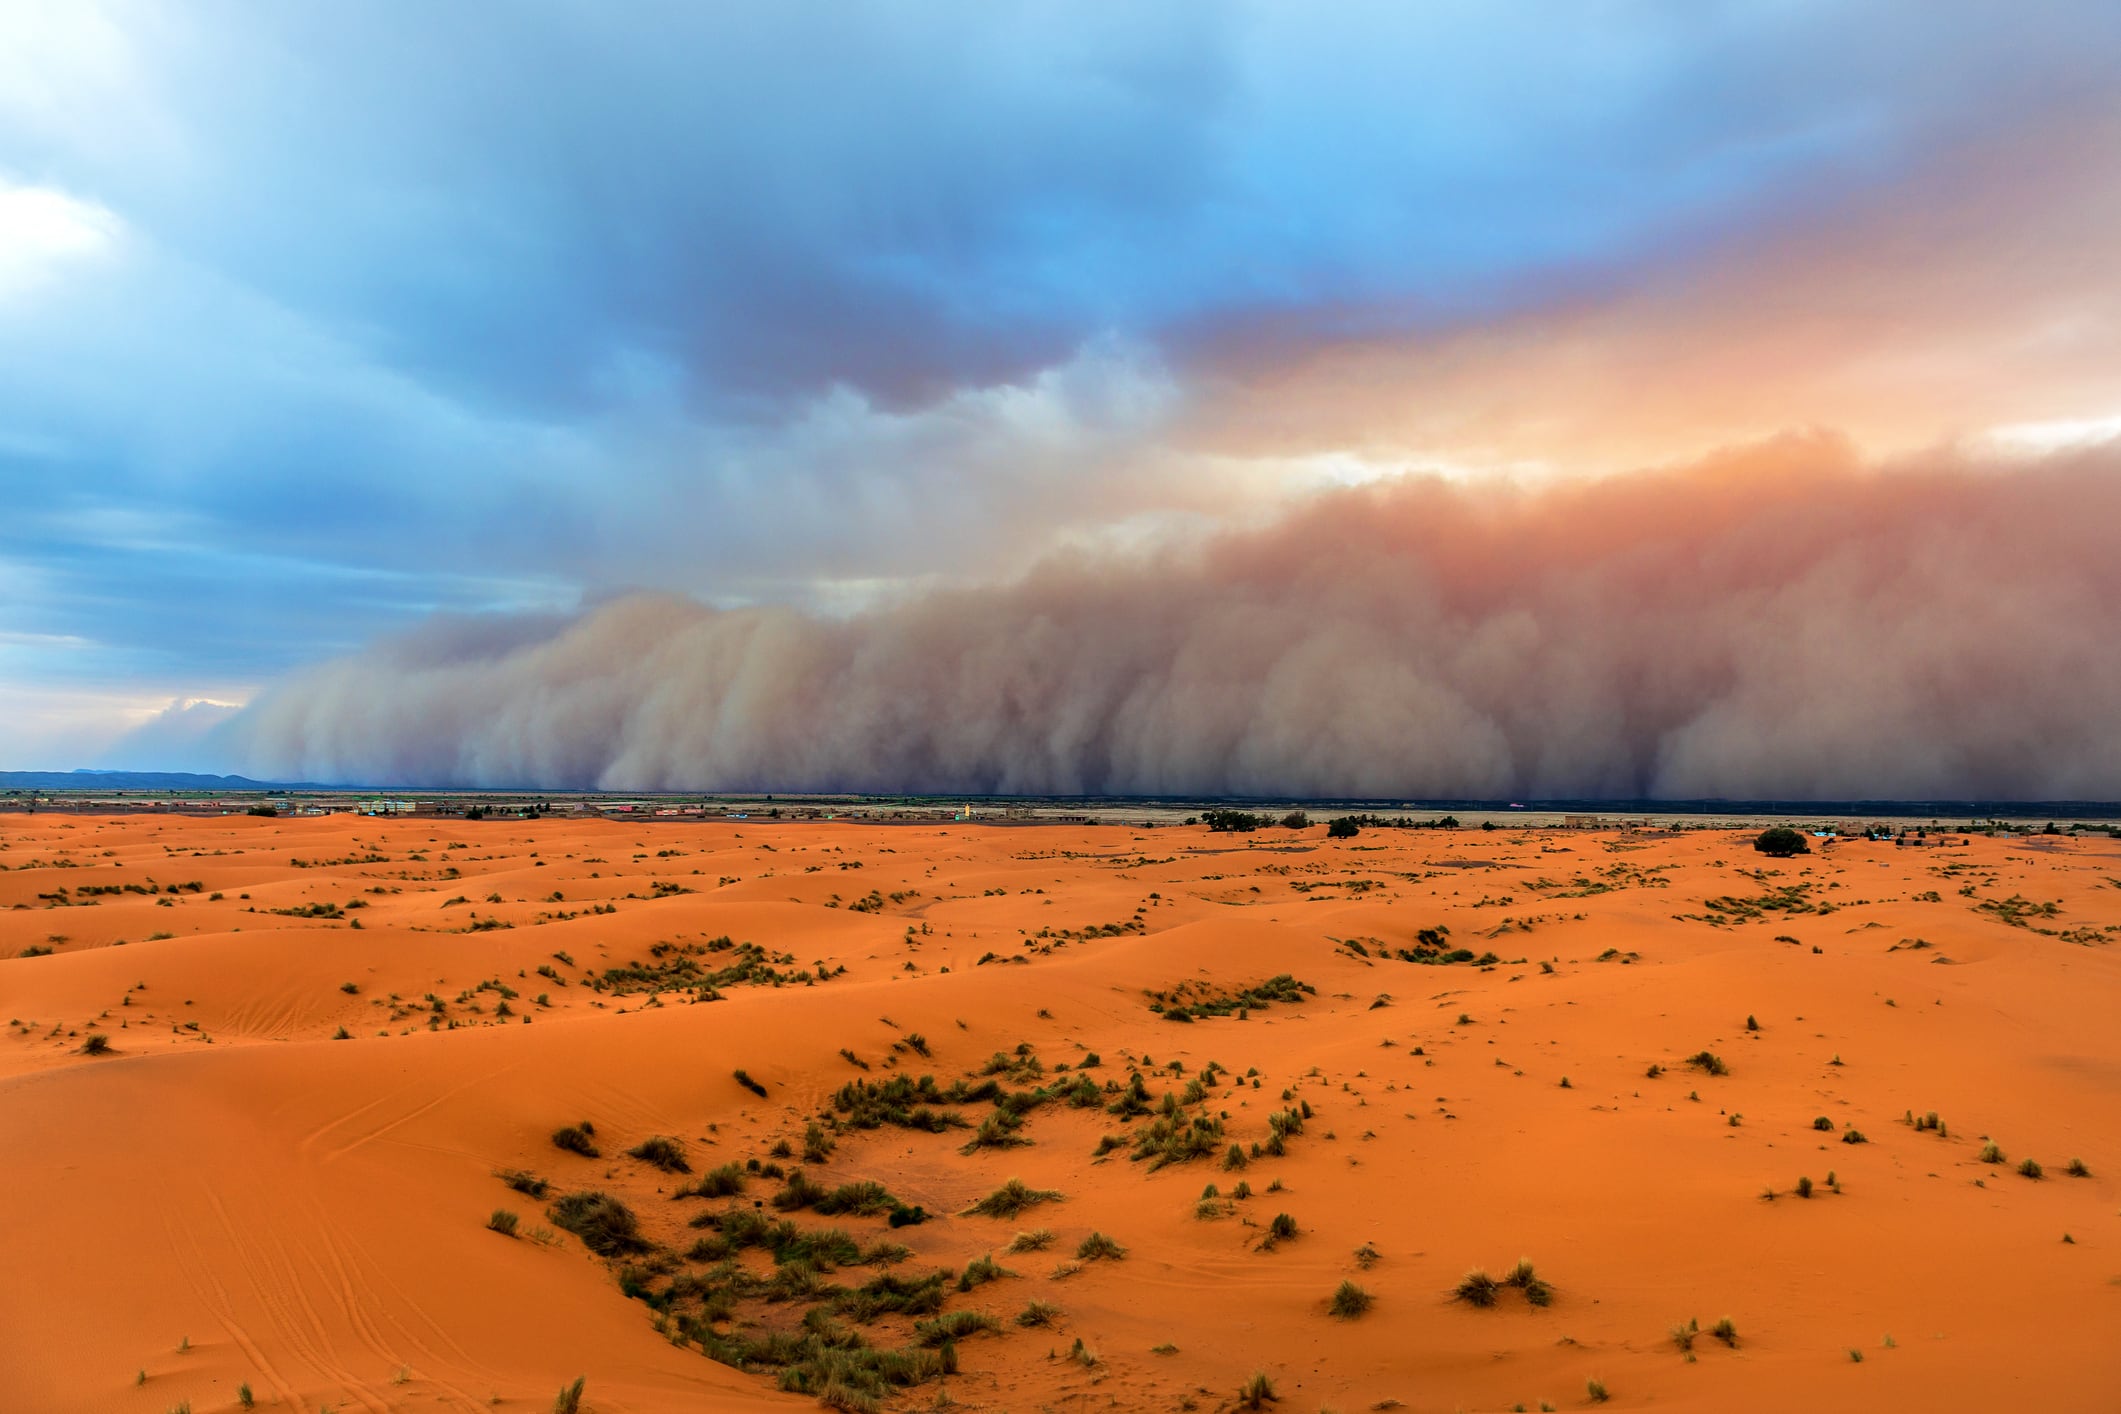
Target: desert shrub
[(1234, 1157), (665, 1153), (2030, 1168), (525, 1183), (724, 1182), (1012, 1198), (1296, 820), (1683, 1336), (2077, 1169), (1823, 1125), (569, 1399), (1853, 1136), (890, 1294), (1257, 1392), (903, 1215), (1726, 1331), (1477, 1288), (953, 1325), (95, 1044), (606, 1226), (801, 1191), (1098, 1247), (1342, 828), (1038, 1313), (865, 1199), (743, 1078), (503, 1222), (1595, 1391), (981, 1270), (1231, 821), (1525, 1278), (577, 1139), (1281, 1229), (1991, 1154), (1804, 1188), (1037, 1240), (1349, 1301), (1780, 842), (1708, 1061), (817, 1144)]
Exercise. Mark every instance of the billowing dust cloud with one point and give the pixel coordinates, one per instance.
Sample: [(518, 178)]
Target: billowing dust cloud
[(1777, 623)]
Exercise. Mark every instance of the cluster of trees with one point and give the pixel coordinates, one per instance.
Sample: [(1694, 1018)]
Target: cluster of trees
[(1244, 821), (1780, 842)]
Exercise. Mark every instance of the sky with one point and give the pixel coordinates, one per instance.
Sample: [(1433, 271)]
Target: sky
[(332, 334)]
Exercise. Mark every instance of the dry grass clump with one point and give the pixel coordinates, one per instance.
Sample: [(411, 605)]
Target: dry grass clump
[(1036, 1240), (606, 1226), (577, 1139), (1097, 1248), (569, 1399), (503, 1222), (1477, 1288), (1349, 1301), (1257, 1392), (662, 1151), (1038, 1313), (1012, 1198)]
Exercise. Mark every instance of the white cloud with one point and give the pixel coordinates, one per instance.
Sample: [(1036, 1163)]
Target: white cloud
[(43, 231)]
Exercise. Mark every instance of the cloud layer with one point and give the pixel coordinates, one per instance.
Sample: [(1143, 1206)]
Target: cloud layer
[(1774, 623)]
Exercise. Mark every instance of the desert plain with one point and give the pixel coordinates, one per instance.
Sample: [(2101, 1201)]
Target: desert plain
[(1267, 1099)]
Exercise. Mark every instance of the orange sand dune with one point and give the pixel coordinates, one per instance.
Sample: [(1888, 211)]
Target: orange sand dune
[(280, 1175)]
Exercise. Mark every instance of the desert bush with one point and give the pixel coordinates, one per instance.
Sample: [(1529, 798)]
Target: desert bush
[(1257, 1392), (2030, 1168), (981, 1270), (1683, 1336), (1012, 1198), (1853, 1136), (1991, 1154), (1037, 1240), (577, 1139), (1804, 1188), (1595, 1391), (1477, 1288), (95, 1044), (2077, 1169), (503, 1222), (665, 1153), (1281, 1229), (1708, 1061), (1726, 1331), (1525, 1278), (743, 1078), (1342, 828), (1038, 1313), (569, 1399), (1098, 1247), (1350, 1301), (525, 1183), (1823, 1125), (724, 1182), (953, 1325), (606, 1226)]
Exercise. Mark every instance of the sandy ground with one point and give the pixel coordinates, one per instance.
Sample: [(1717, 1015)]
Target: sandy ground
[(281, 1173)]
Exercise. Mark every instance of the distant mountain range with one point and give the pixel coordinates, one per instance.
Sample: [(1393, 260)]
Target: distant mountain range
[(138, 780)]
